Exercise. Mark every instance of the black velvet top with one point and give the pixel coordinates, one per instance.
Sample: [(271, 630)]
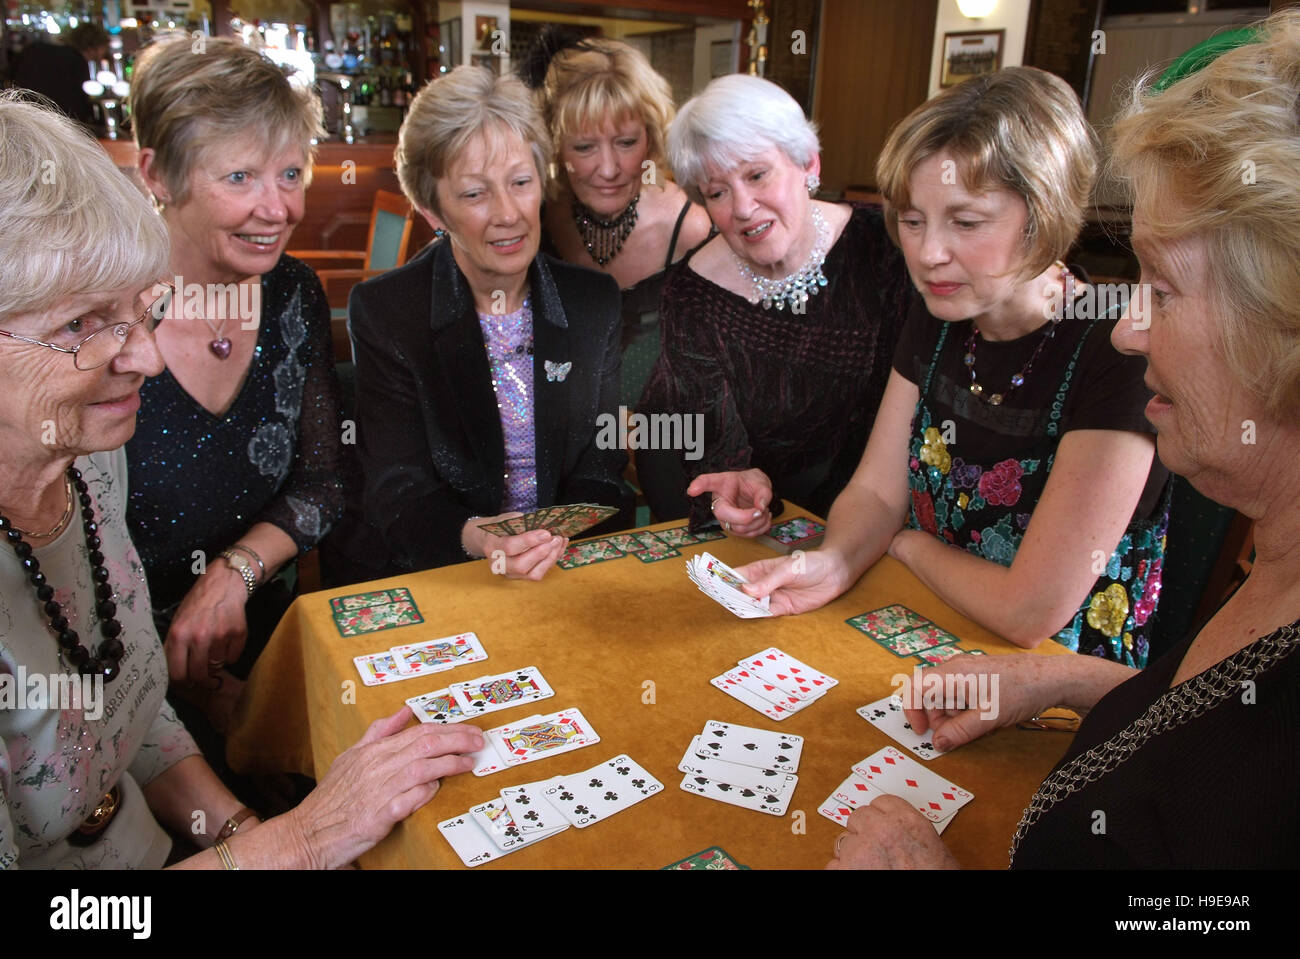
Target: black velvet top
[(429, 431), (199, 481), (793, 395), (1210, 791)]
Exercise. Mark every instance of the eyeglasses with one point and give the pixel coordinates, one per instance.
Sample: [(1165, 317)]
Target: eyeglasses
[(105, 345)]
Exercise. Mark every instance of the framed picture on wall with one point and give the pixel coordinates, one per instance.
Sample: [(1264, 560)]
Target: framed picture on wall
[(970, 53)]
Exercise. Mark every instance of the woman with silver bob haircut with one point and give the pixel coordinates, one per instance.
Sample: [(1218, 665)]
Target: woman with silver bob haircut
[(86, 786), (791, 293)]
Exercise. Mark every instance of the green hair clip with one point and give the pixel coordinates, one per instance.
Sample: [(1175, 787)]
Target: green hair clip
[(1204, 53)]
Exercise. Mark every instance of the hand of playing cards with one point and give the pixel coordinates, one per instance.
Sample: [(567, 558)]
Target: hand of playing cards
[(560, 520), (720, 582), (774, 683), (535, 811), (743, 766), (890, 772)]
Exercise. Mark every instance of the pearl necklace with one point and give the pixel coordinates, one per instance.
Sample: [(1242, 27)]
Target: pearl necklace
[(795, 288)]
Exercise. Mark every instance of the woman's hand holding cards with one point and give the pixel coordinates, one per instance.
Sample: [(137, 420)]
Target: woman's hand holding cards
[(740, 500), (797, 583), (527, 555)]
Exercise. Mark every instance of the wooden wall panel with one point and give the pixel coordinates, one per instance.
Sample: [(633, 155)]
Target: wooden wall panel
[(873, 69)]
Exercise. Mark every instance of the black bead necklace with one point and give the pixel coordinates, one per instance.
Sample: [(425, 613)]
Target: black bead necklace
[(111, 650), (604, 238)]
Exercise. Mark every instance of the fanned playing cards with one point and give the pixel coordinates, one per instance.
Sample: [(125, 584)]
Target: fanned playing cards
[(560, 520), (723, 584)]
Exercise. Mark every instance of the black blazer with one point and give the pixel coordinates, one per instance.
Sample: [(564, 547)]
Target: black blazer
[(428, 428)]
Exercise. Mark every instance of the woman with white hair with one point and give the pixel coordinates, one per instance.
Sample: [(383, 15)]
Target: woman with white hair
[(793, 294), (90, 781)]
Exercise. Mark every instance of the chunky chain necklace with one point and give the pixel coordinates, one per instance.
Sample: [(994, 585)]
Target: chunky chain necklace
[(795, 288), (111, 650), (604, 238), (1018, 380), (1176, 707)]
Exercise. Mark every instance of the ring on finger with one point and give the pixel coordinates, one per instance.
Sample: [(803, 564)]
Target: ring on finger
[(839, 841), (726, 525), (713, 506)]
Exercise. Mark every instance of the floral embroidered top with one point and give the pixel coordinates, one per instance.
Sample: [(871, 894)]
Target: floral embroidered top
[(199, 481), (58, 756), (977, 470)]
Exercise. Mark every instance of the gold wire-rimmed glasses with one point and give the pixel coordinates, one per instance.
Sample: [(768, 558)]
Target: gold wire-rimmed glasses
[(106, 344)]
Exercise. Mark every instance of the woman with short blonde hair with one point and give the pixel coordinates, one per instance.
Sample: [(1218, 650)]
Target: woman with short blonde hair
[(1010, 466), (238, 454)]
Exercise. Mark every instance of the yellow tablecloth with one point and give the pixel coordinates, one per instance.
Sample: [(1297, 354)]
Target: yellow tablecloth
[(633, 645)]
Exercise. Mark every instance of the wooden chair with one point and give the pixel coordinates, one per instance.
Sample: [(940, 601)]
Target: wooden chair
[(391, 220)]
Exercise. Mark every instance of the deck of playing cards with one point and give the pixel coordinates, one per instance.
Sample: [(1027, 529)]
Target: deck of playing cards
[(889, 772), (560, 520), (774, 683), (487, 694), (419, 659), (746, 767), (721, 583), (534, 811), (798, 533), (533, 738)]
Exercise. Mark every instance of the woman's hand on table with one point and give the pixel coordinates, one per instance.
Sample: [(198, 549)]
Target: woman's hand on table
[(527, 555), (890, 834), (797, 583), (740, 499), (1019, 687), (390, 773), (209, 628)]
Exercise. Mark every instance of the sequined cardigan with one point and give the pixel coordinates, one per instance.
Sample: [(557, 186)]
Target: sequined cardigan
[(428, 429)]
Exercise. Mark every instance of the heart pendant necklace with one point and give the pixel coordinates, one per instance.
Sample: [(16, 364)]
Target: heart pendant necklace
[(220, 345)]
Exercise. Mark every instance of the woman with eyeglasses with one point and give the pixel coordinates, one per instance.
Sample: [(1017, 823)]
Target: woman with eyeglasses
[(89, 781), (235, 465)]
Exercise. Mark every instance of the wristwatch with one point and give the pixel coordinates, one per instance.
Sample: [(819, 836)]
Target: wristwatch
[(241, 566)]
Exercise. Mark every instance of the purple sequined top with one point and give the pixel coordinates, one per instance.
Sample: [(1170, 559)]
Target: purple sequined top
[(509, 340)]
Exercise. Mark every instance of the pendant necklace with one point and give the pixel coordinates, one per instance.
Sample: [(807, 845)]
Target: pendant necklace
[(604, 238)]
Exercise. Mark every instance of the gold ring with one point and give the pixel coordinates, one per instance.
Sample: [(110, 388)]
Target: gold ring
[(839, 841)]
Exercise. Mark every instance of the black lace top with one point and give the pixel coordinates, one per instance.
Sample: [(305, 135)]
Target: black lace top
[(199, 481)]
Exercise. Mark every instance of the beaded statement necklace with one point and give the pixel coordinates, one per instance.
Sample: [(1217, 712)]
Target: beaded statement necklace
[(795, 288), (604, 238), (106, 662), (1017, 380)]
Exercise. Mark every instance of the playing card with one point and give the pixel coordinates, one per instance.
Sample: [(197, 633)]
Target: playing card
[(751, 747), (495, 819), (602, 791), (939, 654), (713, 858), (437, 655), (774, 804), (849, 795), (437, 707), (924, 637), (721, 583), (626, 542), (677, 536), (489, 693), (888, 621), (371, 612), (653, 548), (581, 517), (892, 772), (719, 770), (887, 716), (789, 674), (530, 809), (468, 840), (540, 737), (489, 759), (379, 668), (741, 685), (798, 533), (584, 554)]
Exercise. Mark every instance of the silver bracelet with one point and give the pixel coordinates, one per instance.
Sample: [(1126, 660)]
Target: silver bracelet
[(253, 555)]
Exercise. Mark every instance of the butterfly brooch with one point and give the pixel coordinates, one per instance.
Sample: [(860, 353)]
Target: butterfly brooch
[(556, 372)]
